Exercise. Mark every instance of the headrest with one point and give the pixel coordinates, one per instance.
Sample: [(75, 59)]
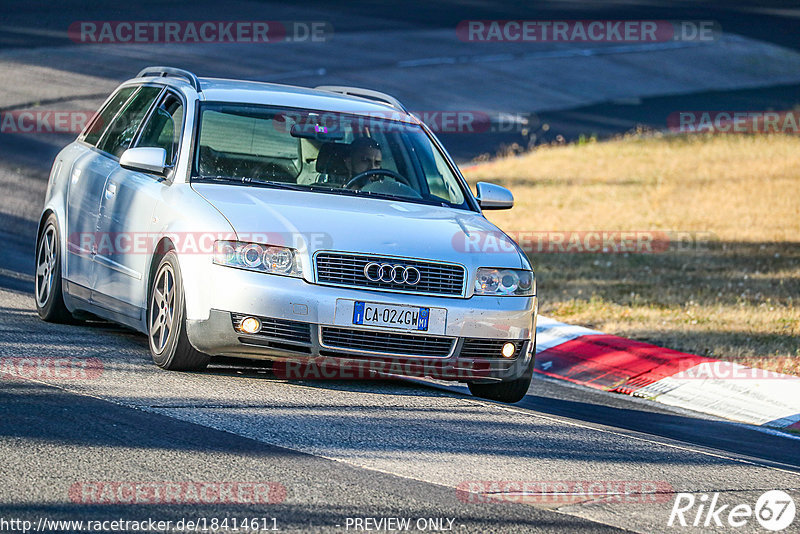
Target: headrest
[(331, 159)]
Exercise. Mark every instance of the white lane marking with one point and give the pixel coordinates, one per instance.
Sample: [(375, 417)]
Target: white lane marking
[(554, 54), (36, 32), (321, 71), (531, 413), (17, 275), (425, 62)]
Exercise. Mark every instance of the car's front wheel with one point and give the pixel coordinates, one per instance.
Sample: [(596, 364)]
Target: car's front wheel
[(49, 298), (166, 323), (508, 390)]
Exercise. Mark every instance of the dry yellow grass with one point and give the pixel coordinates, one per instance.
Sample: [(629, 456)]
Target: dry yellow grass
[(740, 187), (736, 298)]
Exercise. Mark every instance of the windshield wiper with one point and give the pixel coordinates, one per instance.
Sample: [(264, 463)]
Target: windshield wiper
[(284, 185), (318, 188), (381, 196), (249, 181)]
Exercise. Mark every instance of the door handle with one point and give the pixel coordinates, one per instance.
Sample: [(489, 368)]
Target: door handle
[(111, 190)]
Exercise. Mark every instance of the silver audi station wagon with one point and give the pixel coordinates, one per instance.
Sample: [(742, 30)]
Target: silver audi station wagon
[(322, 226)]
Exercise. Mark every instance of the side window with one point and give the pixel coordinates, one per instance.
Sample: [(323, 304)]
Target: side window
[(106, 115), (435, 170), (163, 128), (117, 138)]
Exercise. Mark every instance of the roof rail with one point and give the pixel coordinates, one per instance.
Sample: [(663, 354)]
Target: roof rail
[(364, 93), (170, 71)]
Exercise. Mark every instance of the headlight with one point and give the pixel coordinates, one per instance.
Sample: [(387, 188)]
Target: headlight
[(257, 257), (502, 282)]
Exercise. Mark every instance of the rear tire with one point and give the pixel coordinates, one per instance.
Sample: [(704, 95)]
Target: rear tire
[(47, 278), (509, 391), (166, 321)]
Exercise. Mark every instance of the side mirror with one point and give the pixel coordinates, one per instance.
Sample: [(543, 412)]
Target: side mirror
[(494, 197), (145, 159)]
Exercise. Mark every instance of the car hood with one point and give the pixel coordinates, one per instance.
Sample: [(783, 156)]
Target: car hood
[(311, 221)]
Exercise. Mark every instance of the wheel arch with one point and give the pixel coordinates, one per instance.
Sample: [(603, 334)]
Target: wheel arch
[(45, 215), (62, 238), (163, 246)]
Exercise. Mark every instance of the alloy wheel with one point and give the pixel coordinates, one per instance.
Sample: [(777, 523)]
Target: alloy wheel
[(45, 265), (162, 308)]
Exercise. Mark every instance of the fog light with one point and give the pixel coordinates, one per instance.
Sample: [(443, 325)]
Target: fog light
[(251, 325), (509, 349)]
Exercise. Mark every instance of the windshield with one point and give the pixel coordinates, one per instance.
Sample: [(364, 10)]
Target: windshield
[(323, 152)]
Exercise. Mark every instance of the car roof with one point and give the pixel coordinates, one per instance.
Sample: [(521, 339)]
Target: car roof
[(280, 95)]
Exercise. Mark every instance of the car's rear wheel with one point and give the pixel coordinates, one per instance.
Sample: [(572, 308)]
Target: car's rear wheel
[(508, 390), (47, 290), (166, 320)]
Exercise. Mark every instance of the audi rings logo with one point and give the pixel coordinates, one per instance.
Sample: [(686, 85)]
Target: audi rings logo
[(388, 273)]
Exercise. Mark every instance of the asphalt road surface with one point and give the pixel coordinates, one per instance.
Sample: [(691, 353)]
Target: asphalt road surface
[(532, 92), (322, 454)]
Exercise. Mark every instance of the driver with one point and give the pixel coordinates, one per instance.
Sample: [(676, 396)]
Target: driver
[(365, 155), (364, 162)]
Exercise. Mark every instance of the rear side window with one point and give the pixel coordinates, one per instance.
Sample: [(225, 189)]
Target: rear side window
[(163, 128), (120, 133), (106, 115)]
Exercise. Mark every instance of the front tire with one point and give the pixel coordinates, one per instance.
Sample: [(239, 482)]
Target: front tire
[(509, 391), (47, 282), (166, 321)]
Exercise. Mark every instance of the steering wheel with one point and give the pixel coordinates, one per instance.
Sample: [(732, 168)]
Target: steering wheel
[(358, 178)]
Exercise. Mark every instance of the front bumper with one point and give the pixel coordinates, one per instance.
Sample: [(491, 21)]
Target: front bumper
[(296, 304)]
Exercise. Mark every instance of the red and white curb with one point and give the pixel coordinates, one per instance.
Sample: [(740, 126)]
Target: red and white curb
[(698, 383)]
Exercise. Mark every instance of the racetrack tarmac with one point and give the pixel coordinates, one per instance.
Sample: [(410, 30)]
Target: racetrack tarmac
[(339, 449)]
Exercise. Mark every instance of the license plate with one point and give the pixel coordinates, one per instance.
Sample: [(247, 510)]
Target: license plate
[(391, 316)]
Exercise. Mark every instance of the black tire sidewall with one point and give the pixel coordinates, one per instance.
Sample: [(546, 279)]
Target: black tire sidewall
[(54, 308), (507, 391)]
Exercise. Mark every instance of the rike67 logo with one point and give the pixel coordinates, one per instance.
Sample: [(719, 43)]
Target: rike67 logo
[(774, 510)]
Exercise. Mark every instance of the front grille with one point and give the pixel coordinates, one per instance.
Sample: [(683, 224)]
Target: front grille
[(386, 342), (282, 329), (348, 270), (488, 348)]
